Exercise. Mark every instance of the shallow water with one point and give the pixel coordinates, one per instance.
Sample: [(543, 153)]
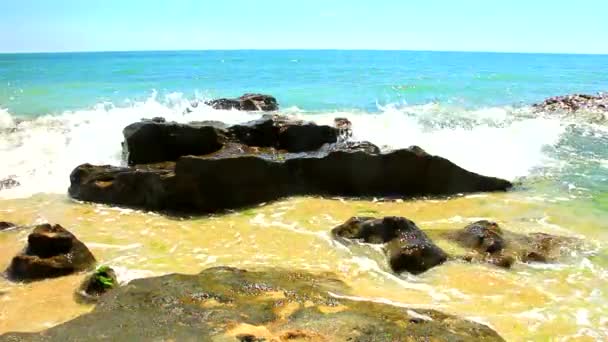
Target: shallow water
[(567, 299)]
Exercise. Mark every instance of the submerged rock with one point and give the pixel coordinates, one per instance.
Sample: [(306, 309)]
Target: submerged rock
[(248, 102), (6, 225), (227, 304), (407, 247), (8, 183), (51, 252), (503, 248), (98, 283)]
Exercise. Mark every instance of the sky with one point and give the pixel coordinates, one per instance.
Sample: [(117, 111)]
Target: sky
[(555, 26)]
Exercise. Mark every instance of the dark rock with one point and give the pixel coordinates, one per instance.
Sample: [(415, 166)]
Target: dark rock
[(232, 305), (503, 248), (9, 183), (152, 142), (408, 248), (484, 236), (51, 252), (6, 225), (98, 283), (247, 102), (284, 134), (226, 180)]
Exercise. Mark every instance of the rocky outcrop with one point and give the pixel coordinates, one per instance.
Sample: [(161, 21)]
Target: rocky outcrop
[(501, 247), (153, 141), (208, 166), (575, 102), (247, 102), (99, 282), (227, 304), (51, 252), (408, 248)]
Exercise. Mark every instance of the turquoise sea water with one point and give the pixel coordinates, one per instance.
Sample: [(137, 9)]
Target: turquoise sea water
[(35, 84)]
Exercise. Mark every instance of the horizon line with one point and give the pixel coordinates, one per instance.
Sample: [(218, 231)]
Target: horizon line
[(302, 49)]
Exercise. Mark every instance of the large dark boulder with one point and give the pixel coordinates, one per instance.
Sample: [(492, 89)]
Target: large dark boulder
[(51, 252), (501, 247), (154, 141), (408, 248), (151, 141), (241, 176), (227, 304), (247, 102)]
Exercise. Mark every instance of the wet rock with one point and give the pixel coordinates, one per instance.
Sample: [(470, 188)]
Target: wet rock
[(8, 183), (503, 248), (247, 102), (96, 284), (589, 108), (239, 177), (408, 248), (345, 127), (283, 133), (6, 225), (152, 141), (51, 252), (231, 304)]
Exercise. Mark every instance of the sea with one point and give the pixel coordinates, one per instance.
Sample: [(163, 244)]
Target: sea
[(59, 110)]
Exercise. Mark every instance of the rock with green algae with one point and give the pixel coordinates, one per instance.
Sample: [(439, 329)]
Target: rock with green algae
[(99, 282), (228, 304)]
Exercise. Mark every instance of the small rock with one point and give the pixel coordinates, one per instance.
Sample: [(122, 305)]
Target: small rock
[(6, 225), (98, 283), (247, 102), (51, 252), (408, 248)]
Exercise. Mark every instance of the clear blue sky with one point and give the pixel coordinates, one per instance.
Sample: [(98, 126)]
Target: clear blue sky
[(570, 26)]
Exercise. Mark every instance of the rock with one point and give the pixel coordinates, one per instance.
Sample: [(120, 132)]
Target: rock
[(283, 133), (345, 127), (152, 141), (247, 102), (98, 283), (6, 225), (408, 248), (51, 252), (483, 236), (227, 304), (8, 183), (241, 177), (591, 107), (503, 248)]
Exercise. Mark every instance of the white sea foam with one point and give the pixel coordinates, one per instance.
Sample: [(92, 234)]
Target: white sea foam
[(41, 153)]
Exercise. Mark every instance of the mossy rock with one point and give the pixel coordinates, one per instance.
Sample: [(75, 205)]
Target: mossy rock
[(228, 304)]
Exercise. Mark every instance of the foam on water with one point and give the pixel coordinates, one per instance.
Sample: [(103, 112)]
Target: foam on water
[(41, 153)]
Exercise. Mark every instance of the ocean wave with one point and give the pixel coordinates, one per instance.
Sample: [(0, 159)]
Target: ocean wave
[(504, 142)]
